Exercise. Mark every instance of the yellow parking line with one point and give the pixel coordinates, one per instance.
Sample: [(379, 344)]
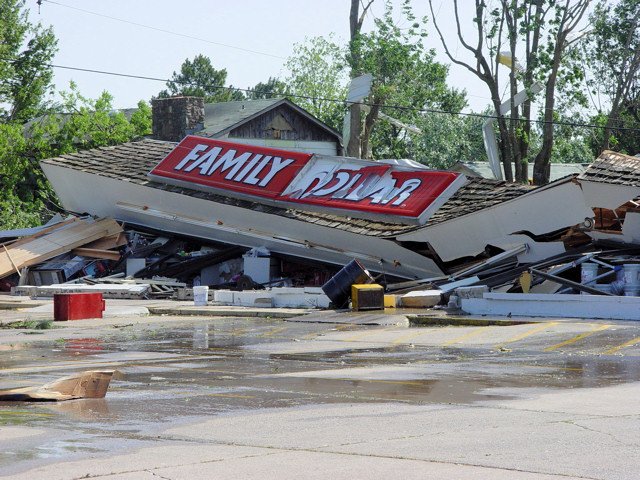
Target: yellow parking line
[(355, 338), (404, 338), (272, 332), (528, 333), (140, 362), (631, 342), (392, 382), (342, 327), (577, 338), (229, 395), (313, 335), (473, 333), (238, 331)]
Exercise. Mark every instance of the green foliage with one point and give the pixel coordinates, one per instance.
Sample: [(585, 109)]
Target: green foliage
[(28, 134), (612, 53), (624, 136), (19, 205), (406, 75), (447, 139), (85, 124), (29, 325), (198, 78), (273, 87), (613, 47), (26, 51), (317, 76)]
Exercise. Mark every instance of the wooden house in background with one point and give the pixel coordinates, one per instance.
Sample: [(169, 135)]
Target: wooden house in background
[(276, 123)]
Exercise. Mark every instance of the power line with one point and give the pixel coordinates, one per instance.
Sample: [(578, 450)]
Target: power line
[(334, 100), (149, 27)]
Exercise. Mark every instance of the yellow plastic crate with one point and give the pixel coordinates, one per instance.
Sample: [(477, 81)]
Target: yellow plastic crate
[(367, 297)]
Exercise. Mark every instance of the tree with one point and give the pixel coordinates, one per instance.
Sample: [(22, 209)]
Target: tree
[(406, 80), (85, 123), (356, 19), (19, 206), (317, 78), (613, 56), (198, 78), (534, 36), (448, 139), (26, 51), (273, 87)]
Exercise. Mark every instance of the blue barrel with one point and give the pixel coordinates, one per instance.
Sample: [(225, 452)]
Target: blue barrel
[(338, 288)]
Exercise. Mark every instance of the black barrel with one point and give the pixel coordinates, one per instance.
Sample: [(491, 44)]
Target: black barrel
[(338, 288)]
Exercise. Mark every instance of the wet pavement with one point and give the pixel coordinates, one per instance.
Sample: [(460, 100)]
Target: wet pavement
[(184, 371)]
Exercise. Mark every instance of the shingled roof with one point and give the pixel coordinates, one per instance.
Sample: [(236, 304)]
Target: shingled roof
[(615, 168), (132, 161), (220, 118)]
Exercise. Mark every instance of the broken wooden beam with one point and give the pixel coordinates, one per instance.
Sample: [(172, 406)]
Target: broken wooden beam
[(36, 249)]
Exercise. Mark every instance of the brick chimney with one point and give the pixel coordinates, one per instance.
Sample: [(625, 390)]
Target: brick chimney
[(174, 118)]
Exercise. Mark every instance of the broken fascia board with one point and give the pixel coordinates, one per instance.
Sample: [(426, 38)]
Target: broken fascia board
[(607, 195), (536, 251), (631, 226), (550, 306), (543, 210), (630, 231), (201, 218), (496, 259), (450, 287)]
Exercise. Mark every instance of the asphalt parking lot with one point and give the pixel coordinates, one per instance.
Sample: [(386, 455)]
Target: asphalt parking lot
[(495, 401)]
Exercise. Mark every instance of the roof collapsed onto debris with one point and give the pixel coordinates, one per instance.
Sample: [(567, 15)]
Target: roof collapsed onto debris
[(132, 161), (485, 229)]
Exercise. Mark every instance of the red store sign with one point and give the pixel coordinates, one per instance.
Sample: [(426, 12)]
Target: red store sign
[(343, 184)]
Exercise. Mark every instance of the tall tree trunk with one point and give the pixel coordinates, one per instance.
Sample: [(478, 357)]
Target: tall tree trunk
[(369, 122), (541, 167), (354, 147)]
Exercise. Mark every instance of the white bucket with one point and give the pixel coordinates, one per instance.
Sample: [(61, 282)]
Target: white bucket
[(632, 279), (200, 296), (588, 273)]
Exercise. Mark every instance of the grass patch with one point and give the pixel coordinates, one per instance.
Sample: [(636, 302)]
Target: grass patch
[(417, 320), (28, 325)]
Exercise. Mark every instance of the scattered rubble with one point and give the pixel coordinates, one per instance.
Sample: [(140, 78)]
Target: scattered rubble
[(579, 235)]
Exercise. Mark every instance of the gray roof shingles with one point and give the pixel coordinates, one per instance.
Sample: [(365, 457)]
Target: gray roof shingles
[(614, 168)]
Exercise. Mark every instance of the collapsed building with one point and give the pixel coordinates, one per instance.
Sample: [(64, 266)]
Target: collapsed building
[(467, 221), (255, 194)]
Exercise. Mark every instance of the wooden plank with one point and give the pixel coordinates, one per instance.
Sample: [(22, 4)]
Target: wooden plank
[(37, 250), (108, 243), (96, 253), (11, 260), (46, 231)]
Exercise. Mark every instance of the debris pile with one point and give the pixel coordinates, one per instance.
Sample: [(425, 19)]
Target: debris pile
[(472, 241), (85, 254)]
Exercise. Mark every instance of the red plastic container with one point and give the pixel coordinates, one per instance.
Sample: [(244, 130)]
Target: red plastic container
[(77, 306)]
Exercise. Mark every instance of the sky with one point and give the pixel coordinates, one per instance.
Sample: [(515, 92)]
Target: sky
[(251, 39)]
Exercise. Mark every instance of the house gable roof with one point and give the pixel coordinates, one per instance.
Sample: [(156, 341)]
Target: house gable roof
[(221, 118)]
